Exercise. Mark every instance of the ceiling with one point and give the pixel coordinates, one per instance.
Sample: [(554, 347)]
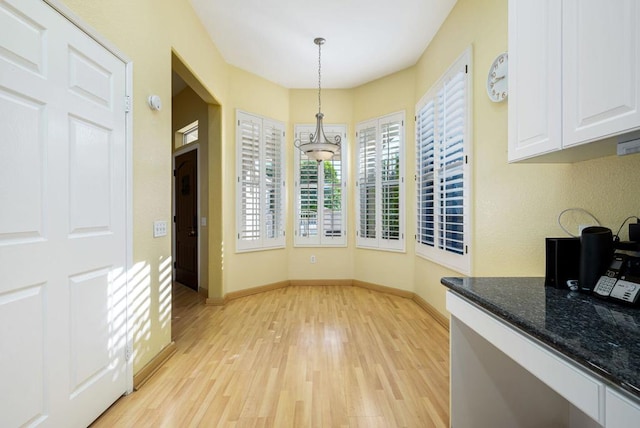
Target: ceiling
[(366, 39)]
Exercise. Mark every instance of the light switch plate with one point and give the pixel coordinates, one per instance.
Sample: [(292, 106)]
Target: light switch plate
[(159, 228)]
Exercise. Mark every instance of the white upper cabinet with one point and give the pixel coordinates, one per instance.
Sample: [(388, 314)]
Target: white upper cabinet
[(574, 77), (535, 78), (601, 63)]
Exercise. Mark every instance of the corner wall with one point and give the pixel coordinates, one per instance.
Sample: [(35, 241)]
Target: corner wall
[(331, 263), (252, 94), (390, 94), (515, 206)]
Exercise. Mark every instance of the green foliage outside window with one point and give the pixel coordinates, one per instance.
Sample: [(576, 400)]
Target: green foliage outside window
[(332, 189)]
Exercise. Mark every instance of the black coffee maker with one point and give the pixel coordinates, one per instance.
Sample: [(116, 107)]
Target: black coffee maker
[(596, 253)]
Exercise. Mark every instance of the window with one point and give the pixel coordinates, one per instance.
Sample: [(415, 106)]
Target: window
[(260, 183), (190, 135), (380, 216), (187, 135), (320, 197), (442, 169)]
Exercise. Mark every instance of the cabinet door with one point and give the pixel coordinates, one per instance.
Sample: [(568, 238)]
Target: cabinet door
[(601, 69), (620, 411), (535, 60)]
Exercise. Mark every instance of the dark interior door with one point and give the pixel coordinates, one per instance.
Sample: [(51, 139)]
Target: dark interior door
[(186, 220)]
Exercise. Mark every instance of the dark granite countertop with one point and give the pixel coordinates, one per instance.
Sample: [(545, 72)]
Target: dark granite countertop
[(601, 336)]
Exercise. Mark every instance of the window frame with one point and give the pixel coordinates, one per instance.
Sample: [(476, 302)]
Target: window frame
[(188, 135), (321, 238), (375, 238), (438, 252), (270, 226), (182, 135)]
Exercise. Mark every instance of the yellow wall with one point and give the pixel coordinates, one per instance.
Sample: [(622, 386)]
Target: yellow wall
[(331, 263), (514, 205), (216, 179), (390, 94), (255, 95)]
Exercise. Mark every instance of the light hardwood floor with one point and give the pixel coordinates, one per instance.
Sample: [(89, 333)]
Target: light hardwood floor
[(300, 356)]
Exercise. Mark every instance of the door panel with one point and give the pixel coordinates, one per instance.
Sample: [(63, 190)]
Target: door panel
[(186, 197), (90, 80), (22, 38), (89, 313), (22, 359), (90, 172), (63, 220), (24, 145)]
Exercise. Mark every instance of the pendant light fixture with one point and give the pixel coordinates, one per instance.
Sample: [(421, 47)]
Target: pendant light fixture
[(319, 147)]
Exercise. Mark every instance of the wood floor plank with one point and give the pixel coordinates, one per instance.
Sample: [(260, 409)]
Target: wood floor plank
[(299, 356)]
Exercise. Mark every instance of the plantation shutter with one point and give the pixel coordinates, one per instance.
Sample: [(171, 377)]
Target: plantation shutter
[(380, 218), (320, 196), (274, 181), (367, 182), (332, 191), (391, 136), (260, 183), (307, 192), (425, 177), (442, 170), (250, 131), (451, 160)]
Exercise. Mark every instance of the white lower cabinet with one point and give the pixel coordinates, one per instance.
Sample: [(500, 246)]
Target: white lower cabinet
[(501, 377), (621, 412)]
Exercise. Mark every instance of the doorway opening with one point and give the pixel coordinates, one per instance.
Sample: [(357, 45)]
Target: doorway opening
[(187, 218), (197, 190)]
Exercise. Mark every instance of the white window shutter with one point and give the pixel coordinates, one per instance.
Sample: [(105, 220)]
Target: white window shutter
[(334, 199), (442, 169), (249, 131), (367, 183), (307, 200), (425, 174), (380, 217), (391, 181), (274, 186), (451, 162), (321, 198), (260, 184)]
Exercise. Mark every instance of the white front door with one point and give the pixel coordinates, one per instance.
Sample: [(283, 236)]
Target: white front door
[(62, 220)]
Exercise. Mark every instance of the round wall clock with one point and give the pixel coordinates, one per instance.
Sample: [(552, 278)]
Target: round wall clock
[(497, 87)]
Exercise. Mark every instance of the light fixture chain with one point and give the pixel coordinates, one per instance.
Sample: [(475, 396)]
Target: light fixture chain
[(318, 147), (319, 75)]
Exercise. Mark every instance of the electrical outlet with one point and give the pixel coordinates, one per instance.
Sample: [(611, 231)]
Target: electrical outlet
[(312, 259), (159, 228)]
